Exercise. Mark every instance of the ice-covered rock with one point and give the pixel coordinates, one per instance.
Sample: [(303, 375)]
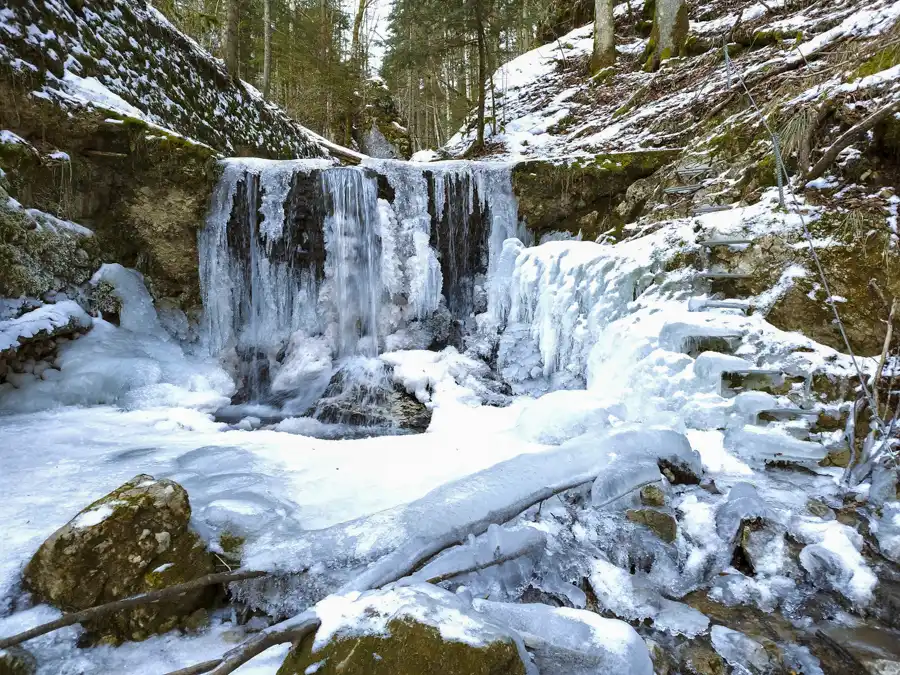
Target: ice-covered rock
[(744, 504), (741, 652), (135, 539), (887, 531), (406, 630), (568, 641)]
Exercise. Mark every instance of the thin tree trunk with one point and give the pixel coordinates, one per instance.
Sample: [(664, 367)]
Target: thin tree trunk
[(267, 48), (482, 75), (230, 40), (604, 36), (847, 138)]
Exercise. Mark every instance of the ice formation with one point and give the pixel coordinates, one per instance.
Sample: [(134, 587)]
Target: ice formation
[(312, 251)]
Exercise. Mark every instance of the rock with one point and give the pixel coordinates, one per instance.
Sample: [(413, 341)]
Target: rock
[(652, 495), (399, 632), (663, 524), (17, 661), (839, 457), (379, 130), (819, 509), (133, 540), (701, 660), (368, 397)]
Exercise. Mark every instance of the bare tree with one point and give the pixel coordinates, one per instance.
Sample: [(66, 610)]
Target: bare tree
[(604, 36)]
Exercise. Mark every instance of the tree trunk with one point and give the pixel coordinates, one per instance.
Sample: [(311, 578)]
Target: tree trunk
[(267, 48), (482, 75), (669, 34), (604, 36), (230, 40)]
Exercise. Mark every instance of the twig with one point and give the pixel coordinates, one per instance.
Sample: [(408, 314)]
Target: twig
[(125, 603), (292, 630), (884, 352), (477, 567)]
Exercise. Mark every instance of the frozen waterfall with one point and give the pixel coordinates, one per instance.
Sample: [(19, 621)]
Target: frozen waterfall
[(363, 258)]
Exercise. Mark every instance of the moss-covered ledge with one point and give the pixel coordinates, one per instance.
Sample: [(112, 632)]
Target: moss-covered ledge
[(142, 190), (580, 194)]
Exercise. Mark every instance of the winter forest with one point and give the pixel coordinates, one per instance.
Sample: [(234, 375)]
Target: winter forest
[(459, 337)]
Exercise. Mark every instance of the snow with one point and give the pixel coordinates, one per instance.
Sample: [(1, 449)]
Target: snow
[(572, 641), (45, 319), (94, 516)]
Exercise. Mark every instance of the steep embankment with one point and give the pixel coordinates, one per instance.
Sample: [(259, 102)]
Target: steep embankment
[(813, 70), (112, 119)]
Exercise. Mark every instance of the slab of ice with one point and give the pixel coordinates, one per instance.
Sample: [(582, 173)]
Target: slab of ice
[(744, 503), (761, 444), (739, 650), (832, 558), (568, 641)]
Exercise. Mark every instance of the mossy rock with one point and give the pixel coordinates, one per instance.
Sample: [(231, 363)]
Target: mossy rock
[(17, 661), (850, 267), (557, 197), (133, 540), (652, 495), (143, 191), (662, 524), (408, 648)]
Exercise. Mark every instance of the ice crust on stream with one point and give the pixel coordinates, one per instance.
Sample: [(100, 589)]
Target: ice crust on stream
[(592, 340)]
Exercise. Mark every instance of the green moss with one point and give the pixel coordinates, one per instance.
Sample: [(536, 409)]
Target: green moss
[(411, 648), (884, 59), (766, 175), (232, 546)]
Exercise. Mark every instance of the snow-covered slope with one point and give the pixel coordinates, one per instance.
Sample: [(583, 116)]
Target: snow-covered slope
[(124, 56), (547, 105)]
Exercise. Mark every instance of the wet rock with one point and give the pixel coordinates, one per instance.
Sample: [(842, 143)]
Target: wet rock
[(661, 523), (700, 659), (819, 509), (17, 661), (368, 397), (839, 457), (652, 495), (133, 540)]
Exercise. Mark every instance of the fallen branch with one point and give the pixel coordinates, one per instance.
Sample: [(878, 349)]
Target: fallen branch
[(849, 136), (292, 630), (126, 603)]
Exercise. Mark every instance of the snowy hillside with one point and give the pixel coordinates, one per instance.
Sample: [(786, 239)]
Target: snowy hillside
[(546, 104)]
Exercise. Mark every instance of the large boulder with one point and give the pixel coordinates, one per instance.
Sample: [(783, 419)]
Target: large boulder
[(133, 540), (417, 630)]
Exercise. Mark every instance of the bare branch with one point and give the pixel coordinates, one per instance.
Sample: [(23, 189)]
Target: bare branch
[(849, 136), (125, 603)]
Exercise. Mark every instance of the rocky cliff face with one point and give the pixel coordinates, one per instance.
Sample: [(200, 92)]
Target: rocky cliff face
[(112, 119)]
